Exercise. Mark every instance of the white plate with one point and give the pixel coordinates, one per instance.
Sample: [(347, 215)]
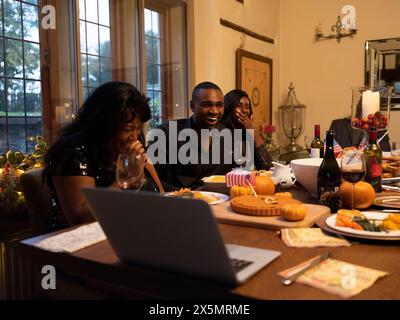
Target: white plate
[(331, 222), (221, 197)]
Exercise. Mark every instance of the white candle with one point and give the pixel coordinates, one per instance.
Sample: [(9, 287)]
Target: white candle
[(370, 103)]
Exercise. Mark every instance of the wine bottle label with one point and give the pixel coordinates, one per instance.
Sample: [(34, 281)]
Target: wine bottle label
[(376, 170), (315, 152)]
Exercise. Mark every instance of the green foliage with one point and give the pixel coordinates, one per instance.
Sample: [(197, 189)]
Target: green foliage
[(12, 165)]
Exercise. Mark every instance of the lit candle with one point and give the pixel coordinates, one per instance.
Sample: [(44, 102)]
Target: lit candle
[(370, 103)]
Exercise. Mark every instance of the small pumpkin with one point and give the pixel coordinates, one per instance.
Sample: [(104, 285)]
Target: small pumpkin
[(364, 194), (264, 185), (237, 191)]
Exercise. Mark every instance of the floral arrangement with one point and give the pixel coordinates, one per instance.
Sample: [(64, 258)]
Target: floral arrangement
[(12, 165), (266, 131)]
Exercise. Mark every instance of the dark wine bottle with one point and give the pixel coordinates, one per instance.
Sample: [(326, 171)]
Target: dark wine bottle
[(373, 161), (329, 178), (317, 146)]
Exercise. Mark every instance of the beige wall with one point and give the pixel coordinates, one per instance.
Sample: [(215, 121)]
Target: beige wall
[(212, 47), (323, 72)]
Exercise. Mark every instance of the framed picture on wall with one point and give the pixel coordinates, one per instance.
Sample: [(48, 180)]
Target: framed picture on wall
[(254, 75)]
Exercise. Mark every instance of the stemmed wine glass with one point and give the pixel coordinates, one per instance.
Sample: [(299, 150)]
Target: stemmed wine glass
[(130, 171), (352, 168)]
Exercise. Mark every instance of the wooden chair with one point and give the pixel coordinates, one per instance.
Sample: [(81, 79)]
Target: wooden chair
[(38, 199)]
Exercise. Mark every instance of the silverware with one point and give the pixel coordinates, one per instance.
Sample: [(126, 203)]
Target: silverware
[(292, 278)]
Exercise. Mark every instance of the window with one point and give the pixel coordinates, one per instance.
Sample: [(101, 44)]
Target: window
[(95, 46), (154, 88), (166, 72), (21, 107)]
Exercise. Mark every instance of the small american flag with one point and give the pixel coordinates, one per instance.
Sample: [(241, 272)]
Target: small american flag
[(336, 147), (364, 143)]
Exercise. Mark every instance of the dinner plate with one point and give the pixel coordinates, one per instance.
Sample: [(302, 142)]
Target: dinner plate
[(390, 235), (219, 197), (387, 200)]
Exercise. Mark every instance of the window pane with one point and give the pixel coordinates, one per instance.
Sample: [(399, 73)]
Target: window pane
[(105, 67), (82, 9), (34, 129), (92, 38), (155, 24), (93, 71), (3, 136), (32, 60), (104, 12), (16, 134), (82, 34), (91, 11), (32, 1), (105, 42), (31, 22), (2, 99), (1, 57), (84, 93), (33, 98), (149, 49), (14, 58), (12, 18), (84, 69), (156, 51), (147, 21), (1, 20), (15, 98)]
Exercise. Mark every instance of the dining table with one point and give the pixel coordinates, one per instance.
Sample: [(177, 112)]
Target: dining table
[(96, 272)]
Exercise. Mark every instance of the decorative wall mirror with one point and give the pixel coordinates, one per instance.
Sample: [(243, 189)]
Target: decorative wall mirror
[(382, 66)]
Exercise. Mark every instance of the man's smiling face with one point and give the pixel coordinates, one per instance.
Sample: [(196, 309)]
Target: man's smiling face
[(208, 108)]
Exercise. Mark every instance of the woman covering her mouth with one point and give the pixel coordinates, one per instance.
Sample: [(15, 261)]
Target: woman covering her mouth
[(238, 114), (85, 153)]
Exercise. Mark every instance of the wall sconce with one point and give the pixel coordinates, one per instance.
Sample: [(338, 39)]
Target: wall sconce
[(338, 31)]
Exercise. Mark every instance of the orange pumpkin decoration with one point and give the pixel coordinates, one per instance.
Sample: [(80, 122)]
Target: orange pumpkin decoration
[(237, 191), (364, 194), (264, 185)]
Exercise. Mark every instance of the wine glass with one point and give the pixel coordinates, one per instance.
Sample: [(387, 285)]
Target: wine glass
[(130, 171), (352, 168)]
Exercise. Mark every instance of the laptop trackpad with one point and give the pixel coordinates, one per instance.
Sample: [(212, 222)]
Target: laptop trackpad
[(252, 259)]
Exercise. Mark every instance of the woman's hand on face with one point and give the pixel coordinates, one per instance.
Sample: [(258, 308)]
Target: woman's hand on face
[(138, 148), (244, 119)]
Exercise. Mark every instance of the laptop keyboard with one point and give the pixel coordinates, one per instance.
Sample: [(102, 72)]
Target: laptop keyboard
[(239, 265)]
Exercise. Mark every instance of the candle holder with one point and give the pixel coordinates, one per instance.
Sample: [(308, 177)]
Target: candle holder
[(371, 107)]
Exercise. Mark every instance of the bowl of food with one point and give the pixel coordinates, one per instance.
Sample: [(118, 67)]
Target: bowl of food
[(216, 184), (306, 173)]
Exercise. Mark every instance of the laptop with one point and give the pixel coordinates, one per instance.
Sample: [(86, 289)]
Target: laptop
[(173, 234)]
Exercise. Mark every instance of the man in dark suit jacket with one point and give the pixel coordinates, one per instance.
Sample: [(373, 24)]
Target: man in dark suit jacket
[(346, 136)]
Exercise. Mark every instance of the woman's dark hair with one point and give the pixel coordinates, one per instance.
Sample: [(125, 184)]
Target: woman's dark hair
[(100, 117), (231, 101)]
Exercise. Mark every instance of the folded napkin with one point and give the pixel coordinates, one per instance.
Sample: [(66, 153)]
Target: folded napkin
[(73, 240), (310, 238), (336, 277)]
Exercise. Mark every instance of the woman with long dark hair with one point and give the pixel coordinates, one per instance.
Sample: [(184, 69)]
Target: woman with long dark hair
[(238, 114), (85, 153)]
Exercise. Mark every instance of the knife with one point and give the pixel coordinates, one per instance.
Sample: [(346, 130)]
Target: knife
[(292, 278)]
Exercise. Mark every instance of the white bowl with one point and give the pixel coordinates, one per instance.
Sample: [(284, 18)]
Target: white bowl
[(306, 173)]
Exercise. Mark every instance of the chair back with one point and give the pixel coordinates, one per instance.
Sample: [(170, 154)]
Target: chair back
[(38, 199)]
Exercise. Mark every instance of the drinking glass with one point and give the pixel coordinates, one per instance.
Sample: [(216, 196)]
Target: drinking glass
[(352, 168), (130, 171)]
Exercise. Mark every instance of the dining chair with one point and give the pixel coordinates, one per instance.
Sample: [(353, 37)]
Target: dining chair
[(38, 199)]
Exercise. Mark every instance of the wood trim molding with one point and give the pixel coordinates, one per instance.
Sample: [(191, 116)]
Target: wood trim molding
[(241, 29)]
